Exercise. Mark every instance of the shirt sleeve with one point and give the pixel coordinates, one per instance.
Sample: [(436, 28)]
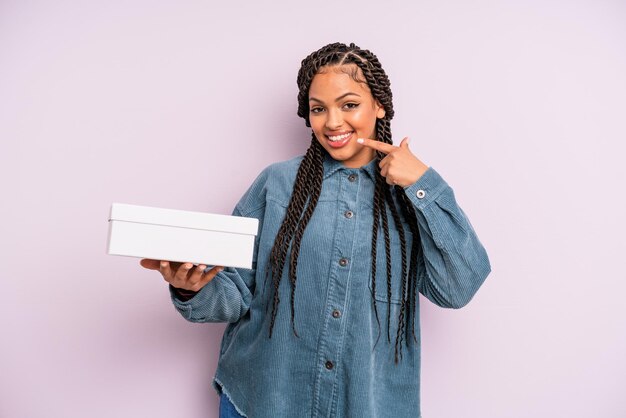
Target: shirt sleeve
[(227, 297), (182, 294), (453, 262)]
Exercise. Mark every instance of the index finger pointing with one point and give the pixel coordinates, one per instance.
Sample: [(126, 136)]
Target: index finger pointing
[(377, 145)]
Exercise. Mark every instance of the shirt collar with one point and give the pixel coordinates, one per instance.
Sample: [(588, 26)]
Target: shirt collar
[(331, 166)]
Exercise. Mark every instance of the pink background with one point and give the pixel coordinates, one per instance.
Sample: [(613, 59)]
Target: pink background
[(520, 105)]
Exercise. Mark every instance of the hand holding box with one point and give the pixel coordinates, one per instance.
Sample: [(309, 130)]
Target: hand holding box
[(183, 275)]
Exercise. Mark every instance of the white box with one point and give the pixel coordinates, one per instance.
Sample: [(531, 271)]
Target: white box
[(183, 236)]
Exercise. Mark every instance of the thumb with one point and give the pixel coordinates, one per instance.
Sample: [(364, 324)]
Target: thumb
[(149, 264), (405, 142)]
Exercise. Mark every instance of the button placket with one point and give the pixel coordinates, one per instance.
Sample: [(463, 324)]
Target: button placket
[(334, 328)]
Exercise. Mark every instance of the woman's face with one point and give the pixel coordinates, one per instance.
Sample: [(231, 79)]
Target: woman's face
[(341, 111)]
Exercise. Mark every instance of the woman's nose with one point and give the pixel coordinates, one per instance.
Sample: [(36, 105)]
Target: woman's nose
[(334, 119)]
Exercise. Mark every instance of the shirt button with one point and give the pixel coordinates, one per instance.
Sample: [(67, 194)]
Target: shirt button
[(352, 178), (336, 313), (343, 262), (329, 365), (420, 194), (348, 214)]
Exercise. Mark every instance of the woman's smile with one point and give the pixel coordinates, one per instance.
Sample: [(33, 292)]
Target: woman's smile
[(339, 140)]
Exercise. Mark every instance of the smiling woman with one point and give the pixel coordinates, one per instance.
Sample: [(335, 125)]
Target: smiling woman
[(347, 344)]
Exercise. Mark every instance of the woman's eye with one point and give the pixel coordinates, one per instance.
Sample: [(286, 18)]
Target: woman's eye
[(316, 109), (351, 105)]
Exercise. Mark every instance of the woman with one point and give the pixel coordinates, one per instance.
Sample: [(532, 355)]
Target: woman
[(326, 323)]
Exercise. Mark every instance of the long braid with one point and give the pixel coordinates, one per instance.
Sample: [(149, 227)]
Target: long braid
[(375, 226), (306, 189), (383, 134), (316, 174), (400, 228), (410, 216), (299, 196), (308, 183), (381, 190), (379, 85)]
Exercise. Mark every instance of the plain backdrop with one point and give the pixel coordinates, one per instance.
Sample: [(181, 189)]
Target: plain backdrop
[(520, 105)]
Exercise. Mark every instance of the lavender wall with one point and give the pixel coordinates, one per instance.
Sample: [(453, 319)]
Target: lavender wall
[(520, 105)]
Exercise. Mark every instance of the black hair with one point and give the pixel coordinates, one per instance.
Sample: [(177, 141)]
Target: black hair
[(308, 185)]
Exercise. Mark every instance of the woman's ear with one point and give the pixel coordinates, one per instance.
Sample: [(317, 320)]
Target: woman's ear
[(380, 112)]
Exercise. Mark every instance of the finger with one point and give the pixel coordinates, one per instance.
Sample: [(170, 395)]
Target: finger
[(377, 145), (405, 143), (209, 275), (383, 163), (166, 270), (183, 272), (384, 170), (149, 264), (196, 275), (390, 179)]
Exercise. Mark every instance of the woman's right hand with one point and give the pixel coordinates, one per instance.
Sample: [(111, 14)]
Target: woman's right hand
[(182, 275)]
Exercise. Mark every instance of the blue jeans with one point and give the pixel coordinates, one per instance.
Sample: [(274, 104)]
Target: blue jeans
[(227, 409)]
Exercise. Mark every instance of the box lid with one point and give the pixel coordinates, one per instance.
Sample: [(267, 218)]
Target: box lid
[(183, 219)]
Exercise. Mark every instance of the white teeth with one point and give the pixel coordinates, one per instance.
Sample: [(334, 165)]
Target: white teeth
[(339, 137)]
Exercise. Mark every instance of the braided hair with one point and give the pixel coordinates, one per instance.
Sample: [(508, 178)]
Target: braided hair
[(308, 185)]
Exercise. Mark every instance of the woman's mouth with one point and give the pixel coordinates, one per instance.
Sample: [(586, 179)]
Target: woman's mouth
[(338, 141)]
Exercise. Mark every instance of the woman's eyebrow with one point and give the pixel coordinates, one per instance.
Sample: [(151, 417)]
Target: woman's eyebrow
[(313, 99)]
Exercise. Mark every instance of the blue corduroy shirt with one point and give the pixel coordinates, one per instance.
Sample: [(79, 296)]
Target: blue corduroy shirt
[(337, 366)]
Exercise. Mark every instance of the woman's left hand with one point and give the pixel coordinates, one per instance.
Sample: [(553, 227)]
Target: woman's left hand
[(399, 167)]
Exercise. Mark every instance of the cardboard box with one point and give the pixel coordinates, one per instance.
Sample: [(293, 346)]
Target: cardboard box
[(176, 235)]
